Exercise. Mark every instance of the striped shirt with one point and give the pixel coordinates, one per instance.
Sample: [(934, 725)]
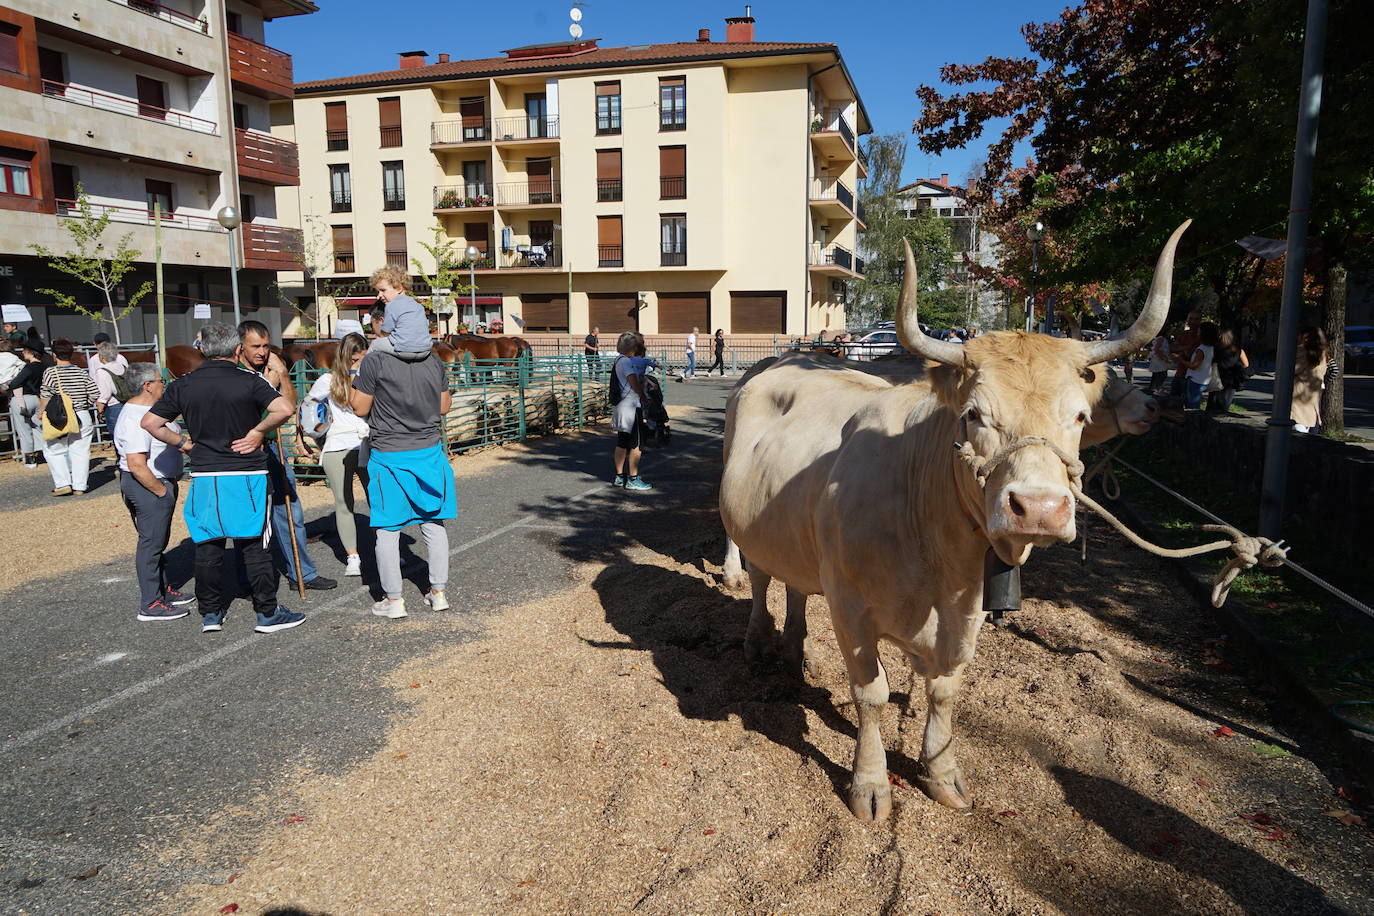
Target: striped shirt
[(73, 380)]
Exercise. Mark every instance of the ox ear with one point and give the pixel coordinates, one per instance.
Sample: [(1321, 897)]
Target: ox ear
[(950, 381)]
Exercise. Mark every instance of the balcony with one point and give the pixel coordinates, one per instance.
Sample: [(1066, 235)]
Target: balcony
[(609, 189), (672, 258), (396, 257), (863, 163), (672, 187), (861, 213), (610, 256), (547, 256), (343, 262), (470, 129), (835, 260), (264, 158), (524, 128), (258, 69), (142, 217), (104, 101), (672, 119), (832, 198), (481, 262), (393, 199), (832, 133), (274, 248), (607, 124), (167, 14), (859, 265), (544, 193), (453, 197)]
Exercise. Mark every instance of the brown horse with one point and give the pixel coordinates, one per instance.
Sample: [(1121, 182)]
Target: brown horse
[(488, 347)]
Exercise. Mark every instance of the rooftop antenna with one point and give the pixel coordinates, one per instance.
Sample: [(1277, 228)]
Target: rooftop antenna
[(575, 14)]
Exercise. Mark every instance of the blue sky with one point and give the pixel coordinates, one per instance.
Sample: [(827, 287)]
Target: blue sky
[(890, 46)]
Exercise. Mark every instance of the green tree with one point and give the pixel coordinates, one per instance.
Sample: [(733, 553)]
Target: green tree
[(449, 263), (931, 238), (91, 264)]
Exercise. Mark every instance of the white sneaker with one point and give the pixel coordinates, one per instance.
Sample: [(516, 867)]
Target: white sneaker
[(388, 608), (437, 601), (355, 565)]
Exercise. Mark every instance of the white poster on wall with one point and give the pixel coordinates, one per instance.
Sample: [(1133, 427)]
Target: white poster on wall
[(16, 312), (202, 310)]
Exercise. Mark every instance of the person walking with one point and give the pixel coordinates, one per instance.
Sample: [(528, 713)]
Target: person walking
[(1232, 366), (255, 355), (107, 368), (691, 355), (69, 455), (718, 344), (341, 454), (149, 488), (228, 413), (627, 414), (410, 481), (23, 390)]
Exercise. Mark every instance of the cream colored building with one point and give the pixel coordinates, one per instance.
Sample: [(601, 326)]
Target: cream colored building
[(140, 102), (655, 187)]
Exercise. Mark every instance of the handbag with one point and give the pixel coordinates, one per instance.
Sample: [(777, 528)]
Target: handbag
[(59, 417), (1214, 380)]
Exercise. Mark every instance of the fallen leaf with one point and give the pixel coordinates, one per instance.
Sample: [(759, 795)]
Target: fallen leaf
[(88, 873), (400, 757), (1351, 819), (295, 819), (1222, 732), (1007, 813), (1269, 751), (414, 686), (897, 781), (230, 879), (1202, 782), (527, 884), (1259, 818), (707, 832), (230, 908)]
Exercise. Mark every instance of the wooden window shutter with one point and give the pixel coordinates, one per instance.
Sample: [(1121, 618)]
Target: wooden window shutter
[(608, 230), (608, 163), (335, 116), (613, 312), (608, 88), (343, 239), (395, 237), (389, 110), (678, 313), (9, 47), (757, 313), (545, 311), (672, 161)]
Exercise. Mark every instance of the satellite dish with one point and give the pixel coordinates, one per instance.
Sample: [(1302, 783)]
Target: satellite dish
[(575, 30), (575, 14)]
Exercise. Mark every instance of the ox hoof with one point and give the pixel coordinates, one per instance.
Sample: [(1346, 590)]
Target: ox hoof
[(736, 582), (801, 665), (947, 790), (870, 801)]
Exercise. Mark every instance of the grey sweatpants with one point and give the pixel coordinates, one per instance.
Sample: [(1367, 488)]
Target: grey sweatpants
[(389, 557), (153, 522)]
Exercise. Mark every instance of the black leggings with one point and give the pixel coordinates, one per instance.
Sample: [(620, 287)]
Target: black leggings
[(718, 364), (211, 576)]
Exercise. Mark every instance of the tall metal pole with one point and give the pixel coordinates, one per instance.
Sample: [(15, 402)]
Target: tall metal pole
[(1035, 281), (161, 304), (1280, 421), (234, 278)]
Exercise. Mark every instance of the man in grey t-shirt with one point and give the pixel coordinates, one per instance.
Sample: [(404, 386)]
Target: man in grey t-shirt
[(404, 401)]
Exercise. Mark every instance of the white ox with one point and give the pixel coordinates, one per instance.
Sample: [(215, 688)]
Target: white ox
[(884, 495)]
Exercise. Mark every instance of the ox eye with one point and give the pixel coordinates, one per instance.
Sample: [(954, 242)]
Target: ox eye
[(1082, 419), (973, 415)]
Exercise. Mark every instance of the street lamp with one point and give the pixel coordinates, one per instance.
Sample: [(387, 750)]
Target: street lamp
[(1035, 234), (229, 218), (472, 283)]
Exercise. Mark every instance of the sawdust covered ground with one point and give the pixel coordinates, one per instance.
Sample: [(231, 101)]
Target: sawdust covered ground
[(608, 750)]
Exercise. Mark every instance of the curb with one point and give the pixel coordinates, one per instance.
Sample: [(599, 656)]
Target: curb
[(1238, 617)]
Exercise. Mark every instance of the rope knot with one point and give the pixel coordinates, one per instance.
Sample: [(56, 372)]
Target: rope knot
[(1247, 553)]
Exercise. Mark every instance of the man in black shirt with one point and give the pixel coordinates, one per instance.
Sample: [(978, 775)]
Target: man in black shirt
[(228, 412), (591, 349)]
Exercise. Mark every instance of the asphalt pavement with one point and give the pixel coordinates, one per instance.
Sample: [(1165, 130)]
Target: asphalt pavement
[(136, 758)]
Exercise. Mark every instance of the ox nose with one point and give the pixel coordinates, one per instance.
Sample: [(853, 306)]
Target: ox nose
[(1039, 511), (1151, 410)]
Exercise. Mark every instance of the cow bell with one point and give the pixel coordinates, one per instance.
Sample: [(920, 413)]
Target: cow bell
[(1001, 586)]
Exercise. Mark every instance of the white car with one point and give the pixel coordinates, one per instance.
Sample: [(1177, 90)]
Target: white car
[(872, 345)]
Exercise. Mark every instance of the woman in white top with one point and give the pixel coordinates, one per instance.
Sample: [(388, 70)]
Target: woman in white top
[(343, 442), (1160, 364), (1199, 365)]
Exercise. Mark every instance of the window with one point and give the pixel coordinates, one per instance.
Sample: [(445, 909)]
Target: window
[(476, 235), (16, 167), (340, 189), (474, 116), (609, 250), (672, 172), (63, 186), (608, 108), (672, 103), (233, 22), (389, 113), (240, 116), (540, 176), (9, 47), (152, 98), (395, 244), (159, 194), (335, 125), (51, 67), (673, 239), (248, 208), (608, 182), (537, 116), (475, 180), (343, 249), (393, 186)]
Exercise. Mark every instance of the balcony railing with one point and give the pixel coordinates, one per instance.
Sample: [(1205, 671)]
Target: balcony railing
[(336, 139), (608, 123), (525, 128), (832, 189), (167, 14), (862, 213), (610, 189), (396, 258), (393, 200), (461, 196), (835, 255), (341, 203), (123, 105), (858, 265), (672, 258), (390, 137), (672, 187), (265, 158), (610, 256), (141, 216), (528, 193), (343, 262), (533, 256), (273, 247), (863, 158), (481, 262), (471, 129), (672, 119), (260, 68), (833, 119)]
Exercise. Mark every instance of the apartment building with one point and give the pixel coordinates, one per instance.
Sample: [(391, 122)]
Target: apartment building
[(143, 104), (973, 243), (655, 187)]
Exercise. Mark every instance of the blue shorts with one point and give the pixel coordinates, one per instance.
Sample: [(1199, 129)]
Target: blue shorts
[(409, 487), (228, 505)]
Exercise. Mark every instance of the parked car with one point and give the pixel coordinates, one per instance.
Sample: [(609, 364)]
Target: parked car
[(873, 344), (1359, 340)]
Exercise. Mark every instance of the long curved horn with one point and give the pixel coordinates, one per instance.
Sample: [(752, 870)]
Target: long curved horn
[(1151, 317), (909, 328)]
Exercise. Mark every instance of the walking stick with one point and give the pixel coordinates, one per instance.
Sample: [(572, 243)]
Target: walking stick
[(290, 521)]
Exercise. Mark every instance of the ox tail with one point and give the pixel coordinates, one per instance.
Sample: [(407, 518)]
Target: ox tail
[(733, 568)]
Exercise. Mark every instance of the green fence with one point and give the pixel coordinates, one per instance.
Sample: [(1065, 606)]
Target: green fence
[(494, 401)]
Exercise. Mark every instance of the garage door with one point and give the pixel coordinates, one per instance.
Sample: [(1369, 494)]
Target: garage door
[(758, 313), (613, 312), (678, 313), (545, 311)]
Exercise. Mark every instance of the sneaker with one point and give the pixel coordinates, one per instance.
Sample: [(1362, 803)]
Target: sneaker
[(211, 623), (437, 601), (317, 584), (177, 599), (159, 611), (62, 491), (355, 565), (637, 483), (30, 463), (282, 619), (619, 480), (388, 608)]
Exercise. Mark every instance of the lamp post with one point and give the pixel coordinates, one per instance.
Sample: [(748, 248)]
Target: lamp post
[(229, 218), (472, 283), (1035, 234)]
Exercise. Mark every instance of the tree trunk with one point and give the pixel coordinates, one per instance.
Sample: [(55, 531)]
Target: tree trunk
[(113, 319), (1333, 397)]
